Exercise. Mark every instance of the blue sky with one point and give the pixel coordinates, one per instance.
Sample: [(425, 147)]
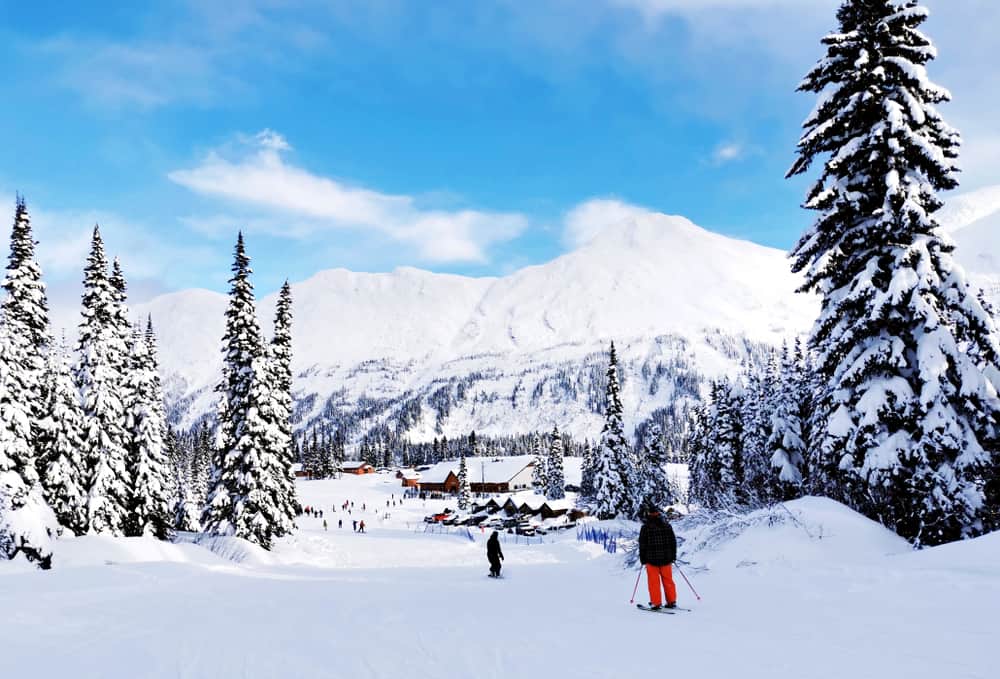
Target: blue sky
[(468, 137)]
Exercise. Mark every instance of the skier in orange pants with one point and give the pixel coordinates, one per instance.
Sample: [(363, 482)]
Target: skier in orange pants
[(657, 552)]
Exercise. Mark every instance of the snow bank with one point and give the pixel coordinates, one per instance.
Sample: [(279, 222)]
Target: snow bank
[(99, 550), (809, 530)]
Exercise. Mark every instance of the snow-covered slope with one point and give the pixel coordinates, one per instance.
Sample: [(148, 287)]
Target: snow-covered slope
[(807, 589), (677, 299), (973, 220)]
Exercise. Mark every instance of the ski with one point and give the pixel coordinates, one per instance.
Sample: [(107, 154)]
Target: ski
[(643, 607), (663, 610)]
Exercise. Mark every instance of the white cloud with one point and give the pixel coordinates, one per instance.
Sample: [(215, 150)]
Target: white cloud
[(586, 220), (262, 178), (727, 153)]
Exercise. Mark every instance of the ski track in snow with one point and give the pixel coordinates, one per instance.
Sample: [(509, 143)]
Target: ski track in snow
[(394, 603)]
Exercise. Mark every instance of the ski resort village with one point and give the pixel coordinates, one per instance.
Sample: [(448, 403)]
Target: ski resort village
[(481, 340)]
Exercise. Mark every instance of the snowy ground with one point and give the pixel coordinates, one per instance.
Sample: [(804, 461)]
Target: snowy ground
[(827, 595)]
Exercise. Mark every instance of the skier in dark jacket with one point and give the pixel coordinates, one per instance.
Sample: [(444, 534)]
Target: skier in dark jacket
[(494, 554), (657, 552)]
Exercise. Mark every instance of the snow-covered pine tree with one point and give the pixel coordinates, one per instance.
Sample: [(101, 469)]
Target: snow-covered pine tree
[(98, 374), (728, 435), (277, 504), (186, 510), (587, 471), (60, 444), (786, 443), (614, 475), (716, 476), (555, 476), (701, 461), (149, 468), (539, 473), (657, 489), (464, 488), (239, 501), (904, 344), (280, 379), (27, 523), (25, 310), (758, 486), (201, 466)]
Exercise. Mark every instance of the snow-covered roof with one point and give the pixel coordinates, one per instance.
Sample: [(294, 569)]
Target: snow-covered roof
[(353, 464), (559, 505), (409, 474), (439, 472), (499, 470), (481, 469), (296, 466), (534, 502)]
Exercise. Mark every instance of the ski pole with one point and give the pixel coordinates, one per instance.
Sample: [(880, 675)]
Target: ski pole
[(687, 581), (637, 576)]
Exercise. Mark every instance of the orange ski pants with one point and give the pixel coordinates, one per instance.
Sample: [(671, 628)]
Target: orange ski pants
[(654, 576)]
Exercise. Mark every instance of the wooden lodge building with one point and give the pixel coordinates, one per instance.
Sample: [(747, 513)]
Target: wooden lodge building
[(501, 475)]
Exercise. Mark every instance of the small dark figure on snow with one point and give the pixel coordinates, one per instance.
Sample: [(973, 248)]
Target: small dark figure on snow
[(355, 526), (324, 524), (657, 552), (494, 554), (361, 527), (340, 523)]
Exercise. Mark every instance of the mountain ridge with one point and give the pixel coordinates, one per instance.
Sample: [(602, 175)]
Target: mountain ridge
[(684, 304)]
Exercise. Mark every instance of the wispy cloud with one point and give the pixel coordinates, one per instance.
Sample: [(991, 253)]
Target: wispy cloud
[(727, 153), (259, 175), (145, 74)]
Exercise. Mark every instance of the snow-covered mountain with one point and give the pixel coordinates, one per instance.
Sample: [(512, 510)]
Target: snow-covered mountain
[(422, 353), (974, 222), (512, 354)]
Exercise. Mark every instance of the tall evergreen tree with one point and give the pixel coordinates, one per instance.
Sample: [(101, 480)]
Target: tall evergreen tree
[(60, 445), (613, 469), (657, 489), (758, 485), (587, 471), (786, 443), (540, 471), (186, 508), (149, 468), (555, 475), (27, 524), (25, 310), (277, 410), (903, 343), (100, 356), (240, 500)]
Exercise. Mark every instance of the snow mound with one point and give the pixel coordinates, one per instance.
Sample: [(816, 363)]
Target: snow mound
[(980, 555), (230, 548), (809, 530), (101, 550)]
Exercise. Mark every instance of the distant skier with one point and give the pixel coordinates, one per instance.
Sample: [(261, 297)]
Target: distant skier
[(361, 527), (355, 525), (657, 552), (494, 554), (340, 523), (324, 524)]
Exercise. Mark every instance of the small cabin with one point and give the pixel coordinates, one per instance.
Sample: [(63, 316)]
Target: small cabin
[(356, 467), (554, 508), (299, 470), (408, 478)]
